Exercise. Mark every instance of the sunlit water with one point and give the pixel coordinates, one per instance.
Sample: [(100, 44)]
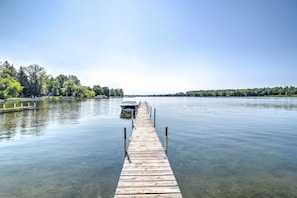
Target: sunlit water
[(218, 147)]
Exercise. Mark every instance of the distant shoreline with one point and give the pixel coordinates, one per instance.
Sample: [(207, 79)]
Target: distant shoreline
[(172, 95), (249, 92)]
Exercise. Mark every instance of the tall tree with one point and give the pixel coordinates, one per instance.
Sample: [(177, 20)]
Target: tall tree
[(62, 79), (105, 91), (112, 92), (74, 78), (56, 88), (36, 76), (12, 71), (22, 77), (69, 88), (98, 90)]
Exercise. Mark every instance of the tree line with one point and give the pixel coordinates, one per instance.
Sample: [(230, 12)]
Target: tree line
[(287, 91), (266, 91), (32, 80)]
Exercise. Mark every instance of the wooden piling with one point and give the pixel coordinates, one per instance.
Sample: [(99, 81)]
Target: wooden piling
[(125, 141), (154, 117), (166, 140)]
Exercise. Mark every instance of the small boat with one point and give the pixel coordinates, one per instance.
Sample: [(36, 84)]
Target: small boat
[(129, 105)]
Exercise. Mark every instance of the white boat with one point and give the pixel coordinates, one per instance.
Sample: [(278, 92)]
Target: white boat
[(129, 105)]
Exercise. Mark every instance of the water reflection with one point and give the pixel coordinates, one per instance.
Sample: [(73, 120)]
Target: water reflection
[(127, 115), (232, 147), (33, 122), (78, 154), (271, 103)]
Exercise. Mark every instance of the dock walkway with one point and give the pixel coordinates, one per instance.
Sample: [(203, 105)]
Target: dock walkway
[(146, 171)]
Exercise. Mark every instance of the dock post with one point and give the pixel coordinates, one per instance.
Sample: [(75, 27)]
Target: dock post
[(154, 117), (166, 139), (34, 105), (125, 141), (28, 104), (3, 106), (21, 105), (14, 105), (132, 117)]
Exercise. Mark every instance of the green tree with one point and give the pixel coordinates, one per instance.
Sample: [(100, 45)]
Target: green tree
[(83, 92), (56, 89), (112, 92), (9, 87), (105, 91), (22, 77), (121, 93), (49, 85), (98, 90), (116, 92), (13, 88), (90, 93), (12, 71), (69, 88), (74, 78), (62, 79), (36, 76), (79, 92)]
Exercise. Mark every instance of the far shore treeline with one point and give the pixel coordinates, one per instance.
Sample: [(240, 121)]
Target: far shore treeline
[(253, 92), (33, 81)]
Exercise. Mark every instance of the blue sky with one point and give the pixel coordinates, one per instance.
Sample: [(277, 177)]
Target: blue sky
[(155, 46)]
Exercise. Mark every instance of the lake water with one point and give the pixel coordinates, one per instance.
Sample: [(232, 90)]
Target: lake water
[(218, 147)]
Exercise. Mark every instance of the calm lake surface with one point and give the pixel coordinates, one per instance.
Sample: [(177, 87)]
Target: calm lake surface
[(218, 147)]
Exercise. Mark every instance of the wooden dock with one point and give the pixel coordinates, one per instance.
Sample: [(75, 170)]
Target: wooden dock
[(15, 108), (146, 171)]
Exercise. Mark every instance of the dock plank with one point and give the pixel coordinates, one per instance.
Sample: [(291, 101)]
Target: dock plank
[(147, 172)]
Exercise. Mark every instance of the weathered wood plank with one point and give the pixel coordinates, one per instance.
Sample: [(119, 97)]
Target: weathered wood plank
[(148, 190), (148, 183), (172, 195), (146, 166), (147, 172), (132, 178)]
